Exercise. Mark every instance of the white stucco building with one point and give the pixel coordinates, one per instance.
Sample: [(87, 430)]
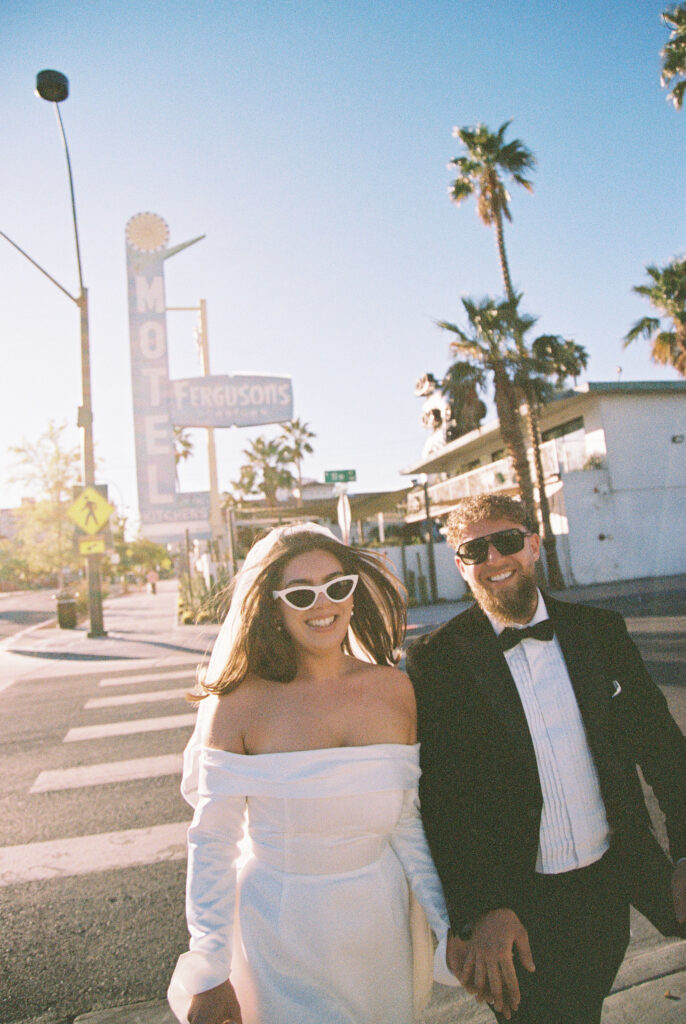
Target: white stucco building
[(614, 458)]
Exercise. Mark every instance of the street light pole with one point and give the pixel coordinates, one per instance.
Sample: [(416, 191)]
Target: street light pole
[(216, 525), (54, 87)]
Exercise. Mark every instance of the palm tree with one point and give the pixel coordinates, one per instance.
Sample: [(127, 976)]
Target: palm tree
[(489, 159), (674, 54), (460, 385), (550, 356), (667, 293), (183, 448), (244, 487), (486, 347), (297, 436), (269, 460)]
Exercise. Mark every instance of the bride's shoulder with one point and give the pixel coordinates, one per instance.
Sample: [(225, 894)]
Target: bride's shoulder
[(388, 678), (230, 714)]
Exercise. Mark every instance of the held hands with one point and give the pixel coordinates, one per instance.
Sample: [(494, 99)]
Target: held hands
[(679, 891), (485, 964), (215, 1006)]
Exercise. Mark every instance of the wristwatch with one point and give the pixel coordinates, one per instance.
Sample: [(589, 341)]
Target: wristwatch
[(465, 930)]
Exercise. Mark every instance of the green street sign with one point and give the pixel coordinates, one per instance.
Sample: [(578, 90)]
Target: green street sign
[(339, 476)]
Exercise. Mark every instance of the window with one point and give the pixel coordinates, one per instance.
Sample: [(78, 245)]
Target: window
[(564, 428)]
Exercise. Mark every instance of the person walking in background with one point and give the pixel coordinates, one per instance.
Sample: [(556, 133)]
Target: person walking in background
[(304, 722), (153, 579), (533, 714)]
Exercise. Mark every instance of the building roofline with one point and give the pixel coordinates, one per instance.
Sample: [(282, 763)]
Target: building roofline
[(621, 387), (434, 462)]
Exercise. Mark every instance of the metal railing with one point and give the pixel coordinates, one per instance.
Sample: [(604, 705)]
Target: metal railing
[(558, 456)]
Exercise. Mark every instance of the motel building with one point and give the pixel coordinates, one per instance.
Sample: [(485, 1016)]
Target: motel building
[(614, 459)]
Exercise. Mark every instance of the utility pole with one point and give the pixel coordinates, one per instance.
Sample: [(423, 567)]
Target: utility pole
[(216, 525), (53, 87)]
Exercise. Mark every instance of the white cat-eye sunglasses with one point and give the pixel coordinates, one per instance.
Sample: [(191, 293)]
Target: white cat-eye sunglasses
[(303, 597)]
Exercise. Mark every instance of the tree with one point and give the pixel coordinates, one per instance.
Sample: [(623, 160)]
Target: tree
[(297, 436), (267, 466), (489, 159), (550, 356), (14, 572), (183, 447), (48, 469), (667, 293), (486, 346), (144, 554), (244, 487), (460, 385), (674, 54)]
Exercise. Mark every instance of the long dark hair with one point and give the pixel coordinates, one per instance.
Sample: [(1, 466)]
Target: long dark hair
[(263, 648)]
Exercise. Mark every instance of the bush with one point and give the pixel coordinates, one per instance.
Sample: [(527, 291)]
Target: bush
[(200, 603)]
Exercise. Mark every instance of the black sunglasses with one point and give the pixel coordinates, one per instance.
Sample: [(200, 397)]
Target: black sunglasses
[(506, 542)]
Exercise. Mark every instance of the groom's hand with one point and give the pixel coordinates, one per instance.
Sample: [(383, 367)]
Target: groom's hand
[(488, 968), (456, 955)]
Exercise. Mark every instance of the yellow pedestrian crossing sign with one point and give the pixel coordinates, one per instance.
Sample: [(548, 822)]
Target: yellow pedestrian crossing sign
[(90, 511)]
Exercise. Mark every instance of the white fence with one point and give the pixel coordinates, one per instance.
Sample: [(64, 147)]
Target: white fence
[(411, 562)]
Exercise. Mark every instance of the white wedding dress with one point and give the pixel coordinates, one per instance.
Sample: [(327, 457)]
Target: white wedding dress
[(314, 927)]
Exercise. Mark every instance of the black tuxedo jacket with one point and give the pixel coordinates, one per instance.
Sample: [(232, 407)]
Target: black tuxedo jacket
[(480, 791)]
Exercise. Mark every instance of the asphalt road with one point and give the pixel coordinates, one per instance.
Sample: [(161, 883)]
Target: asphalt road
[(71, 943), (22, 609), (75, 939)]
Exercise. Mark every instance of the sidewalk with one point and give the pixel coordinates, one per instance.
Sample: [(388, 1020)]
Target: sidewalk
[(142, 628)]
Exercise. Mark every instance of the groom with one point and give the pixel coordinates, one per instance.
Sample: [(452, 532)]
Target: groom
[(533, 715)]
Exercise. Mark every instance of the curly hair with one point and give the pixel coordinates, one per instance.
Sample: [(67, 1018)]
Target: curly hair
[(265, 649), (485, 506)]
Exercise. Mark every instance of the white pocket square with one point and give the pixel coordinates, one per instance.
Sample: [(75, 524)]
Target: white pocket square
[(616, 689)]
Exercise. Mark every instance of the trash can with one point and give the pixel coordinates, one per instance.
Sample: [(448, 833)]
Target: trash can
[(66, 611)]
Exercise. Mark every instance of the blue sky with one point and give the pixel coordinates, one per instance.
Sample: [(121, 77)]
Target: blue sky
[(309, 141)]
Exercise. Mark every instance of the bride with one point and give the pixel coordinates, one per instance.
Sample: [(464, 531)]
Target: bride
[(305, 725)]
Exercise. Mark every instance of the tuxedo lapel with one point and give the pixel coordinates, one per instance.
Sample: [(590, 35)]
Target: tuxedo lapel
[(585, 667), (492, 678), (578, 652)]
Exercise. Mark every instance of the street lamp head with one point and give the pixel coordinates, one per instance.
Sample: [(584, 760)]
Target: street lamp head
[(52, 86)]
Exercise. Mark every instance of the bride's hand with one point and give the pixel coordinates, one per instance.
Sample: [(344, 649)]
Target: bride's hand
[(217, 1005)]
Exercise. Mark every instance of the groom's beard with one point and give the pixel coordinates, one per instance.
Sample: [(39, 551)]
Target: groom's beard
[(517, 604)]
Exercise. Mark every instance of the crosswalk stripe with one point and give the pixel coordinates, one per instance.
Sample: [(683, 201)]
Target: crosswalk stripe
[(96, 732), (62, 858), (114, 771), (135, 698), (148, 677)]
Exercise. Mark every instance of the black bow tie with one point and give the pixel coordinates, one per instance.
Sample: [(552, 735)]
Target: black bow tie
[(510, 636)]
